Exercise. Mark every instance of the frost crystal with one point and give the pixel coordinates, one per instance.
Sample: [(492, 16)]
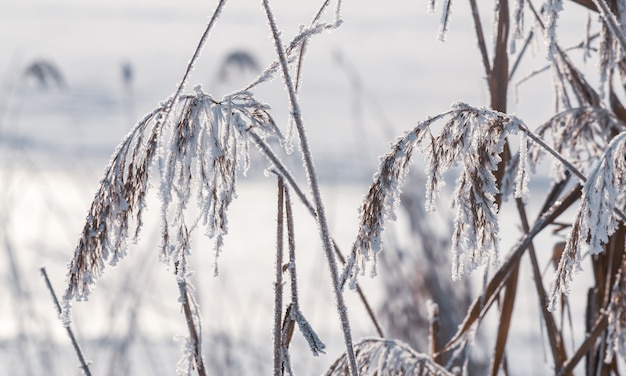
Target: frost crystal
[(445, 20), (315, 343), (431, 6), (551, 11), (522, 177), (518, 24), (606, 56)]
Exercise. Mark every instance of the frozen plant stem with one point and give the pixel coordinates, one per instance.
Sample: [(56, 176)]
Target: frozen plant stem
[(191, 325), (284, 174), (315, 190), (278, 285), (70, 333), (196, 54)]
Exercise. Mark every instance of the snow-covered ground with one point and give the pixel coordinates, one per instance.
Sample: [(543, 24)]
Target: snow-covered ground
[(364, 84)]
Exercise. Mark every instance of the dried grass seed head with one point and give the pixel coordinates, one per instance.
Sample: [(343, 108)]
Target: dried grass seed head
[(601, 210), (473, 138), (580, 135), (384, 357), (205, 147)]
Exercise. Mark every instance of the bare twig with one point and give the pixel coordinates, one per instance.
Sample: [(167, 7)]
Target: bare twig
[(68, 329), (506, 314), (198, 50), (434, 340), (191, 326), (521, 54), (278, 284), (295, 314), (598, 328), (481, 38), (554, 335)]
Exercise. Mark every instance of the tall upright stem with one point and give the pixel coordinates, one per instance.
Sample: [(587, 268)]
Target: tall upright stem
[(278, 284), (315, 190)]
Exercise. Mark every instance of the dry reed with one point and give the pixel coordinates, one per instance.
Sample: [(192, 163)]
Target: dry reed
[(200, 145)]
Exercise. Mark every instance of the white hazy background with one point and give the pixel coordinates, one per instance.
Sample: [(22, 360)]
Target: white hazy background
[(364, 84)]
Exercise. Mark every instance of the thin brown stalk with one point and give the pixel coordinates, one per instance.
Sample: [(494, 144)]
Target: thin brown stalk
[(286, 334), (79, 353), (616, 104), (607, 265), (598, 328), (506, 313), (499, 83), (592, 309), (498, 77), (192, 61), (198, 50), (482, 46), (554, 335), (304, 46), (296, 315), (278, 284), (521, 54), (434, 334)]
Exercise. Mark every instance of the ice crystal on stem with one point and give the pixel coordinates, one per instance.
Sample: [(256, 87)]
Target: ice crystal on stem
[(192, 348), (294, 314), (445, 20), (522, 177), (518, 24), (431, 6), (551, 10)]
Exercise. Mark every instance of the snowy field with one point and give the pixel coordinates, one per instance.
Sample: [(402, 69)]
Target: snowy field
[(363, 85)]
